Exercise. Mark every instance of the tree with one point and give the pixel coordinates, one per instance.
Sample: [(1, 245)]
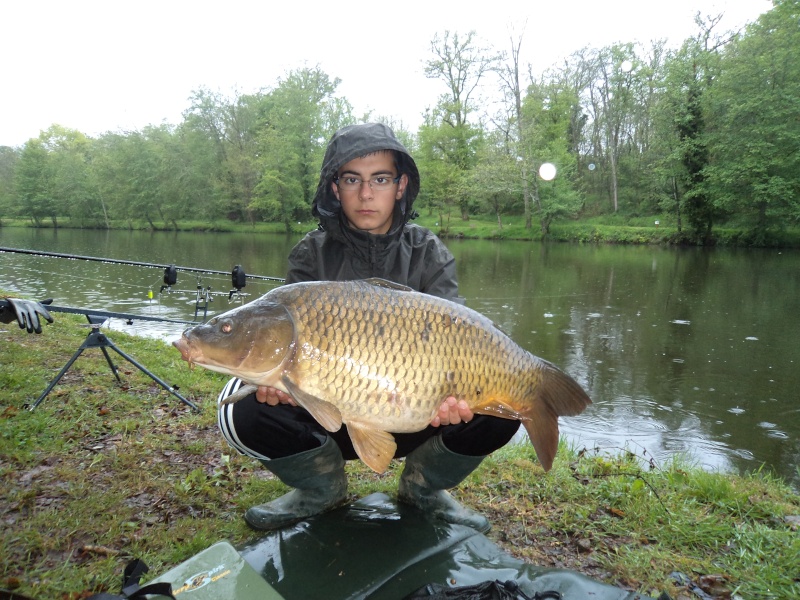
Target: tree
[(441, 176), (230, 126), (32, 186), (195, 173), (613, 104), (9, 157), (461, 64), (142, 172), (510, 76), (495, 180), (295, 121), (548, 110), (701, 65), (70, 178), (755, 141)]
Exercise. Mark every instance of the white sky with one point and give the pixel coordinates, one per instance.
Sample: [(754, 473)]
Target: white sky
[(114, 65)]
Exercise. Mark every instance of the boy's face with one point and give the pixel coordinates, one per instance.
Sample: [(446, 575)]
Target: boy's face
[(369, 207)]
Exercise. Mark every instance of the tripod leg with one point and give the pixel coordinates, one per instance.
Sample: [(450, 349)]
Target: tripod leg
[(110, 364), (163, 384), (53, 383)]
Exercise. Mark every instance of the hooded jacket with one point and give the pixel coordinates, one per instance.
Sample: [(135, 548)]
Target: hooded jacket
[(407, 254)]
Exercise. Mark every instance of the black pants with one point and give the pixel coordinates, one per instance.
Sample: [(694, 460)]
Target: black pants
[(264, 431)]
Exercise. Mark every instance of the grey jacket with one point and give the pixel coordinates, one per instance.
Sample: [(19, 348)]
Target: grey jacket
[(408, 254)]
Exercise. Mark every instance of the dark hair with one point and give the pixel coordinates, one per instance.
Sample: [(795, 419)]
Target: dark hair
[(355, 141), (397, 157)]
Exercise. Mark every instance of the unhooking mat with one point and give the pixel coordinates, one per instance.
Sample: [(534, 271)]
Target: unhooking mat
[(372, 549)]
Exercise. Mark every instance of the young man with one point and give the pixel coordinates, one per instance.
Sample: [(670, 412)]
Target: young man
[(364, 202)]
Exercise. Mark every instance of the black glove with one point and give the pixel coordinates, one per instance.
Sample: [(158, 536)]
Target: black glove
[(25, 312)]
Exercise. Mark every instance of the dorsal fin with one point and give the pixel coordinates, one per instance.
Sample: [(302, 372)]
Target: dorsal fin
[(385, 283)]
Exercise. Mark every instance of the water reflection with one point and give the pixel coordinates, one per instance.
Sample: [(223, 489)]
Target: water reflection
[(682, 350)]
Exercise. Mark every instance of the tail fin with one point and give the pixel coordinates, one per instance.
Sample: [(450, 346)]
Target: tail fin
[(542, 427), (556, 395)]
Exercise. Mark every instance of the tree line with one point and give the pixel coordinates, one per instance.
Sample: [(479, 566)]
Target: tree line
[(702, 135)]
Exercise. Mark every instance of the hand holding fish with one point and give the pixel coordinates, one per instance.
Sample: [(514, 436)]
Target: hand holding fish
[(451, 412), (273, 396)]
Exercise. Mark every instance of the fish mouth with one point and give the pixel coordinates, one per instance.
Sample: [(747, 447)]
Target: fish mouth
[(185, 348)]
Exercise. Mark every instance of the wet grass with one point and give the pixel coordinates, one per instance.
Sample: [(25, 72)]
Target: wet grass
[(103, 472)]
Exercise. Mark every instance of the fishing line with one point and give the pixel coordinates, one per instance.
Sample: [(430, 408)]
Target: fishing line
[(150, 307), (101, 280), (529, 297), (133, 262), (203, 294), (77, 277)]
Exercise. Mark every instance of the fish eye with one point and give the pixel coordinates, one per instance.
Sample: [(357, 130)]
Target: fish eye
[(226, 327)]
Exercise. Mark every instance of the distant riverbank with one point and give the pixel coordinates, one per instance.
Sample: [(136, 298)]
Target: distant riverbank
[(608, 229)]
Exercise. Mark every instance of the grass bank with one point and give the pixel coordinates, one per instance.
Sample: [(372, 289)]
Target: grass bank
[(608, 229), (102, 472)]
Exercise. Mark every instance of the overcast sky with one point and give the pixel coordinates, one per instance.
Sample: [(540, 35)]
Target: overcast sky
[(115, 65)]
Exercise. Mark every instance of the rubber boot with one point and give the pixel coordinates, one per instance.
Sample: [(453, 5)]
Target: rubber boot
[(319, 481), (430, 470)]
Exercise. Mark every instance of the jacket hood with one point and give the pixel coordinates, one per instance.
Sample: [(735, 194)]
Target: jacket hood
[(352, 142)]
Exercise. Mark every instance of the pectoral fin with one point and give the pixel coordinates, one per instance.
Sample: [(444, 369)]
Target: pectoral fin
[(373, 446), (239, 394), (325, 413)]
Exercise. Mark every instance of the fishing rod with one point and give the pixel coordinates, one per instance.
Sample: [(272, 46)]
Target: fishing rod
[(134, 263), (204, 295), (128, 317)]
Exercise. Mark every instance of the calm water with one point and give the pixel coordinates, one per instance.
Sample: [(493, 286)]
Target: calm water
[(682, 350)]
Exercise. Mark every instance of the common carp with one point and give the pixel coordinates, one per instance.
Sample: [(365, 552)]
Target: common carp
[(381, 358)]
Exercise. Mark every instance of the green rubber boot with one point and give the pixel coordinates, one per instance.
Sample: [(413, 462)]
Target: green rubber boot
[(430, 470), (319, 481)]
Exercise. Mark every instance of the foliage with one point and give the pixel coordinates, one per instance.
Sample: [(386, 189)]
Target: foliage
[(32, 188), (756, 141), (289, 152), (547, 113), (706, 133), (448, 137)]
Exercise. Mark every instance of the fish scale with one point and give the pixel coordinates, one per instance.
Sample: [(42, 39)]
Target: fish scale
[(381, 360), (409, 383)]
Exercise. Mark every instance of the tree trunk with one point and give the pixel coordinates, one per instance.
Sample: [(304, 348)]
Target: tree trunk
[(526, 197), (676, 196), (614, 184)]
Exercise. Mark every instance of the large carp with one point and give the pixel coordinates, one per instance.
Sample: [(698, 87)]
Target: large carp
[(381, 358)]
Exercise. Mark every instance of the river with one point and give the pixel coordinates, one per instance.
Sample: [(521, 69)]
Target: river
[(683, 350)]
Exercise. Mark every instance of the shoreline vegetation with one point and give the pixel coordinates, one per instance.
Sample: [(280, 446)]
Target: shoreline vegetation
[(609, 229), (101, 473)]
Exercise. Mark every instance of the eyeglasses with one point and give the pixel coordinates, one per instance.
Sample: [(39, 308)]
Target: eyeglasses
[(379, 182)]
